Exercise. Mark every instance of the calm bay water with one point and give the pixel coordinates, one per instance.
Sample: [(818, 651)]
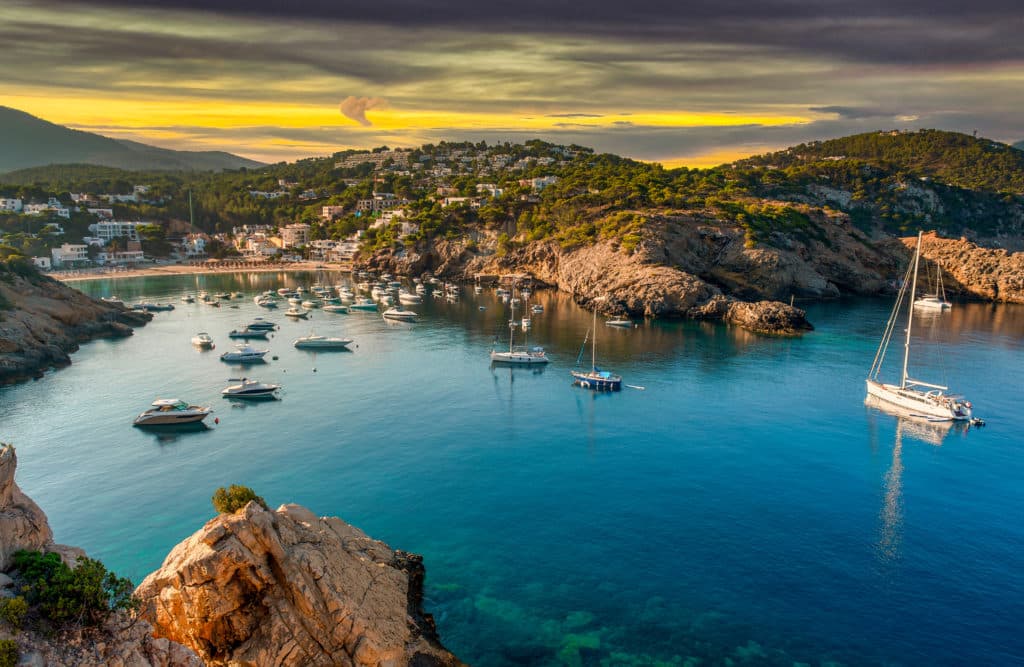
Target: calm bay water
[(745, 506)]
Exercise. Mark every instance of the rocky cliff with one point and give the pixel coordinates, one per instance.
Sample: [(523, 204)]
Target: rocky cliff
[(973, 272), (42, 321), (122, 641), (286, 587)]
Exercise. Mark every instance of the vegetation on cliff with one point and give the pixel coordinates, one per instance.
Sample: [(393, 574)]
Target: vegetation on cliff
[(234, 498)]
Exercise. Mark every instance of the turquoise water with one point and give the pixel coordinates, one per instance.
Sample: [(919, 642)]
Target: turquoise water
[(744, 507)]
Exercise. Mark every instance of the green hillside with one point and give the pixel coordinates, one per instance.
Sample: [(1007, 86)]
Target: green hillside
[(29, 141)]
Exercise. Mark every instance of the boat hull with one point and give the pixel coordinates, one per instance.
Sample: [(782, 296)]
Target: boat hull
[(518, 358), (169, 419), (597, 381), (931, 405)]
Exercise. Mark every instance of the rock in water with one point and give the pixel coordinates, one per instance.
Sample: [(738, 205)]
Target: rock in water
[(286, 587), (22, 524)]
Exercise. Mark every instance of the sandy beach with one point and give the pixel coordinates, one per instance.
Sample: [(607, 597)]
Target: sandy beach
[(101, 273)]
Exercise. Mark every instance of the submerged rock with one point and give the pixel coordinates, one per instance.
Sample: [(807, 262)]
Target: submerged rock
[(286, 587)]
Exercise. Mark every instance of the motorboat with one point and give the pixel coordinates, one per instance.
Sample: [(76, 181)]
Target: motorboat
[(409, 298), (203, 340), (421, 289), (244, 354), (170, 411), (260, 323), (238, 295), (222, 295), (536, 308), (362, 303), (248, 333), (147, 306), (188, 298), (315, 342), (311, 303), (335, 308), (114, 300), (920, 398), (296, 313), (518, 355), (400, 314), (623, 323), (284, 291), (250, 389), (526, 323)]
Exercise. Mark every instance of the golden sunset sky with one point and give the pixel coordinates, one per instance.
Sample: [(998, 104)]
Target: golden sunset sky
[(683, 83)]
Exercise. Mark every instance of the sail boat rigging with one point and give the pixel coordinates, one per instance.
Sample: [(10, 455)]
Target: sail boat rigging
[(595, 378), (920, 398), (521, 354), (937, 299)]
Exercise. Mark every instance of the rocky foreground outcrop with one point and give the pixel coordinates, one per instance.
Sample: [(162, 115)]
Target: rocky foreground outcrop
[(42, 321), (122, 641), (286, 587), (988, 274)]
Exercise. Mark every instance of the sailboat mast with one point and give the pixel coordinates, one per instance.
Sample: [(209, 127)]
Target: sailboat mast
[(593, 343), (511, 324), (910, 312)]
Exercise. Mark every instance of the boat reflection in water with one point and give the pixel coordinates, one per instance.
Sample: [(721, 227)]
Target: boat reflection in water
[(168, 433), (914, 427)]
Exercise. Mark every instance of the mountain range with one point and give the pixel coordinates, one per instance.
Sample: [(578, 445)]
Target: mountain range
[(29, 141)]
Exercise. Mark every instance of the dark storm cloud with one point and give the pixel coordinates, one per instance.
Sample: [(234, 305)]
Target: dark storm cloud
[(877, 31)]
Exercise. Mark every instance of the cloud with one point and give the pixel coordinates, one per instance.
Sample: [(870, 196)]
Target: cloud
[(573, 115), (356, 108)]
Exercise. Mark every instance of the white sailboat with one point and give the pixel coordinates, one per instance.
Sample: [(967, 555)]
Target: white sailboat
[(937, 299), (521, 354), (595, 378), (920, 398)]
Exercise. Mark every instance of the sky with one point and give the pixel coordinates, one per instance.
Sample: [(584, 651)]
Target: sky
[(681, 82)]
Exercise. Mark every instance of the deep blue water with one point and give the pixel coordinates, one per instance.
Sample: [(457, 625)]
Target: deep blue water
[(745, 506)]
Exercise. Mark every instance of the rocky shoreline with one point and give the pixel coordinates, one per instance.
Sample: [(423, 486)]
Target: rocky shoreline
[(282, 588), (44, 321), (696, 266)]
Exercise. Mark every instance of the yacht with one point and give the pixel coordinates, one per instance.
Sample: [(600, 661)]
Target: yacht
[(188, 298), (248, 333), (315, 342), (409, 298), (620, 322), (311, 303), (335, 308), (518, 355), (260, 323), (536, 308), (296, 313), (362, 303), (250, 389), (922, 399), (169, 411), (245, 354), (115, 300), (148, 306), (400, 314), (202, 339), (222, 295)]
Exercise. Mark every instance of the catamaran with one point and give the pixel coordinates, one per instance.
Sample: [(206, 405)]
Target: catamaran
[(921, 399), (595, 378)]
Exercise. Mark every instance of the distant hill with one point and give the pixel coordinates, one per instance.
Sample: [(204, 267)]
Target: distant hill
[(1019, 145), (951, 158), (31, 142)]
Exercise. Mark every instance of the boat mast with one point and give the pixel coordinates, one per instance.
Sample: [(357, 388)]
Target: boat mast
[(910, 312), (511, 323), (593, 343)]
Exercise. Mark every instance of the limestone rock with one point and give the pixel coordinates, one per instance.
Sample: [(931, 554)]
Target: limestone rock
[(22, 524), (48, 321), (990, 274), (286, 587)]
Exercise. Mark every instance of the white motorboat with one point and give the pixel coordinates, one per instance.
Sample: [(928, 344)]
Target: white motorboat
[(315, 342), (170, 411), (526, 323), (362, 303), (296, 313), (919, 398), (188, 298), (260, 323), (250, 389), (248, 333), (203, 340), (620, 322), (409, 298), (518, 355), (244, 354), (115, 300), (536, 308), (335, 308), (311, 303), (265, 301), (400, 314)]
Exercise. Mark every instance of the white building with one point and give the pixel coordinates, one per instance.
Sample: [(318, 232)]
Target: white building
[(296, 235), (70, 254), (43, 263), (490, 188), (120, 257), (331, 212), (194, 245), (102, 213), (111, 229), (10, 205), (540, 182), (382, 201)]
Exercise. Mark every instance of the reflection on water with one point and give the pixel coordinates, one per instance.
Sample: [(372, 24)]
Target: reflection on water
[(168, 433)]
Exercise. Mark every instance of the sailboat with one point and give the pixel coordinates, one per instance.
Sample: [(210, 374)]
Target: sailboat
[(921, 399), (595, 378), (521, 354), (936, 300)]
